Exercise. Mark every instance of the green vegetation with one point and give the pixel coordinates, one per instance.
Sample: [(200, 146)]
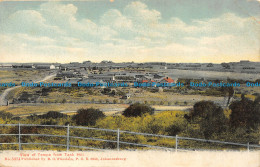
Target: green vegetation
[(245, 113), (88, 117), (209, 117), (206, 120), (49, 115), (21, 75), (137, 109)]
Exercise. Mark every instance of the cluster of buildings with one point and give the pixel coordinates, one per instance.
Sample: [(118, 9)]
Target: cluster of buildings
[(114, 77), (108, 71), (242, 66)]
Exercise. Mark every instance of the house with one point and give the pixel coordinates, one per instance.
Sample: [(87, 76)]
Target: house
[(71, 66), (26, 65), (41, 66), (158, 77), (167, 80), (104, 77), (55, 66)]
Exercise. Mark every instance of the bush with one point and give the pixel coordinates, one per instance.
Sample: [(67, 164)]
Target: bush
[(106, 91), (5, 115), (63, 101), (173, 130), (45, 91), (210, 117), (245, 113), (88, 116), (52, 114), (138, 109)]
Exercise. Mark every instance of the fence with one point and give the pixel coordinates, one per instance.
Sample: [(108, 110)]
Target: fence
[(68, 137)]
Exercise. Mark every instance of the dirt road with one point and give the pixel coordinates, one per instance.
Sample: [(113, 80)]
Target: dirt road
[(3, 100)]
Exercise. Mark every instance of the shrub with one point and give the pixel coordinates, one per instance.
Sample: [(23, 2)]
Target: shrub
[(5, 115), (53, 114), (245, 113), (173, 130), (106, 91), (210, 117), (138, 109), (88, 116)]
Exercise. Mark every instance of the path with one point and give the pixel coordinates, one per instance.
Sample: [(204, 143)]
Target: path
[(3, 100)]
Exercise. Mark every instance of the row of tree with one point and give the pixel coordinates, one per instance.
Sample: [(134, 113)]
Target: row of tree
[(245, 114)]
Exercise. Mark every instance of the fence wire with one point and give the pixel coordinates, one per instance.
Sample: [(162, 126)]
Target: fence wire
[(112, 139)]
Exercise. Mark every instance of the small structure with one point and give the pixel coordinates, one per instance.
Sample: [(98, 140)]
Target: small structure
[(167, 80), (42, 66), (55, 66)]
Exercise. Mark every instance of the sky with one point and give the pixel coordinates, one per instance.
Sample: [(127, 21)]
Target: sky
[(195, 31)]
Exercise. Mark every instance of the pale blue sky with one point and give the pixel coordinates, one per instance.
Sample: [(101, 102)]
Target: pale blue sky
[(126, 30)]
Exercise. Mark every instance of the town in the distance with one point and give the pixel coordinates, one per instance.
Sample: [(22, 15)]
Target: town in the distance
[(192, 78), (205, 101)]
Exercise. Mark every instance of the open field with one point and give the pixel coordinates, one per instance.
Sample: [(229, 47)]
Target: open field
[(43, 108), (20, 75)]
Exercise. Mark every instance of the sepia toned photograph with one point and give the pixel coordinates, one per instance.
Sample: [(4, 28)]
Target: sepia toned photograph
[(130, 83)]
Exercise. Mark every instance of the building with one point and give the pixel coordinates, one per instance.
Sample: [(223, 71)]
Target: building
[(167, 80), (104, 77)]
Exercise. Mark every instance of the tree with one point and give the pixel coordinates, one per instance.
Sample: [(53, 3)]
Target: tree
[(229, 92), (88, 116), (5, 115), (138, 109), (25, 97), (245, 113), (210, 118)]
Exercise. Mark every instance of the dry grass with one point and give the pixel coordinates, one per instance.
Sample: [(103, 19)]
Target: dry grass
[(19, 75), (43, 108), (70, 108), (251, 97)]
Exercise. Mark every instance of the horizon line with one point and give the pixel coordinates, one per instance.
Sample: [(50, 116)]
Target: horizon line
[(132, 62)]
